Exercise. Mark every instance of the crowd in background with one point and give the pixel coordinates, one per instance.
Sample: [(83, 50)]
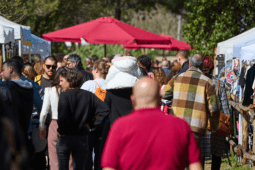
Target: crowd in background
[(69, 113)]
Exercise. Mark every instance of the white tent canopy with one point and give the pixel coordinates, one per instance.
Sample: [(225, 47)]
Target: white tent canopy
[(21, 32), (6, 34), (245, 42), (223, 46), (248, 52), (228, 55), (39, 46)]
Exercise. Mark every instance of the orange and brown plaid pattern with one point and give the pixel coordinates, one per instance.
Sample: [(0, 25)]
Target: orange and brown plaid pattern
[(194, 99)]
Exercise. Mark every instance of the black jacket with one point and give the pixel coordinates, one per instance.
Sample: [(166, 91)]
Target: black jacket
[(119, 102), (185, 67), (6, 102), (242, 79), (248, 89), (12, 139), (76, 108), (23, 99), (87, 76)]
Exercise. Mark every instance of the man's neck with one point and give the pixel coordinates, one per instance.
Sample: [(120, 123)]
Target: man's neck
[(16, 78), (46, 76), (139, 106)]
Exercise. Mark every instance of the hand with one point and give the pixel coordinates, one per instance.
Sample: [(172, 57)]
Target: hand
[(42, 134)]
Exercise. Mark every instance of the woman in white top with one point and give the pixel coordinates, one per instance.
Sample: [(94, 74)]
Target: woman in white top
[(100, 70), (50, 105)]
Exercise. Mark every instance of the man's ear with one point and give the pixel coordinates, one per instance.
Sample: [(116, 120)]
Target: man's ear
[(189, 64), (133, 100), (11, 69)]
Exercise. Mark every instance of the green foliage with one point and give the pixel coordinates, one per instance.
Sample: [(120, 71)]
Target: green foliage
[(51, 15), (92, 49), (236, 165), (19, 10), (211, 22)]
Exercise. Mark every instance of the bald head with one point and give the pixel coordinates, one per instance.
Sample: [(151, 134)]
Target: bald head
[(145, 93)]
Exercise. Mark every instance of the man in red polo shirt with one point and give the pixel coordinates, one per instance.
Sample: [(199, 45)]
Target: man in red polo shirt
[(149, 139)]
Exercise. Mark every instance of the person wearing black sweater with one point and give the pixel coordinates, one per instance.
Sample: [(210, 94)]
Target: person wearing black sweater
[(12, 139), (19, 98), (76, 109)]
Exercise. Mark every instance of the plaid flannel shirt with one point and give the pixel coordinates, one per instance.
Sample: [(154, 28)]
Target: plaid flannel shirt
[(194, 99)]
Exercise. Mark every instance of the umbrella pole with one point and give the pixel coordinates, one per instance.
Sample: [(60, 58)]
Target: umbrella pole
[(163, 53), (105, 50)]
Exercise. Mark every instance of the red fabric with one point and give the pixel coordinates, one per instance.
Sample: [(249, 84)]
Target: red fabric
[(165, 109), (106, 30), (208, 62), (149, 139), (175, 45)]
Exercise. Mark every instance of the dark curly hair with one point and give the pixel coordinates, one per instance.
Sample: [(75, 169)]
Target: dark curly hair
[(73, 76), (55, 81), (145, 61)]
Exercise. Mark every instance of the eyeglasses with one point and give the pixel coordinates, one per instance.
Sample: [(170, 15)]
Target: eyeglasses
[(68, 64), (51, 66)]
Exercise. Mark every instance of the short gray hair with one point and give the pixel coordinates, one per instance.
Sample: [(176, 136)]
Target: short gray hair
[(197, 60), (75, 58)]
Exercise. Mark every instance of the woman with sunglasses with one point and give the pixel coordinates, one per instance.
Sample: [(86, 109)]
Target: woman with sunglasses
[(100, 70), (76, 109)]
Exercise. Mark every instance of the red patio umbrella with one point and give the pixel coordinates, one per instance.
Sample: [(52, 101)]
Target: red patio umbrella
[(175, 45), (106, 30)]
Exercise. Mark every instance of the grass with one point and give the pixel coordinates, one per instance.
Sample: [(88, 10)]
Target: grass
[(225, 165)]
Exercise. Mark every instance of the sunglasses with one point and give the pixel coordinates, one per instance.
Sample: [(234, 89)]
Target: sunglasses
[(92, 68), (49, 66)]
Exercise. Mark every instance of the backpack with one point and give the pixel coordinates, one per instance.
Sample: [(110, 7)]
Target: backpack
[(100, 93), (224, 123), (38, 79)]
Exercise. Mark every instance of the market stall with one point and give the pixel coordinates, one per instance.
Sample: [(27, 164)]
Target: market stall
[(21, 33), (39, 46), (6, 37)]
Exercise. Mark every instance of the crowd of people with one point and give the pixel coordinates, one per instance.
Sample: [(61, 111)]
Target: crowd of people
[(130, 112)]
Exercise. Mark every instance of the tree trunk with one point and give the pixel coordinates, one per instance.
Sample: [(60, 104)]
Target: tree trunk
[(118, 11), (245, 134)]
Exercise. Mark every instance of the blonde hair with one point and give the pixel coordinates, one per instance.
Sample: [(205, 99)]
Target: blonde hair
[(28, 72), (102, 67), (38, 67)]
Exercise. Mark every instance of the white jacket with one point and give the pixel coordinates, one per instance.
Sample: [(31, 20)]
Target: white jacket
[(123, 73)]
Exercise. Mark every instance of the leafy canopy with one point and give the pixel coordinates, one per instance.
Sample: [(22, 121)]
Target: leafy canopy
[(210, 22)]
